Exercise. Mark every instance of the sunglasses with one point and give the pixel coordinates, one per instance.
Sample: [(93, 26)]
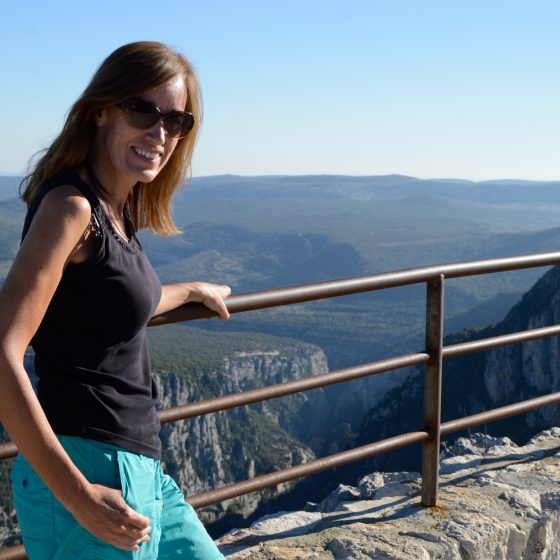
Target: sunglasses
[(143, 114)]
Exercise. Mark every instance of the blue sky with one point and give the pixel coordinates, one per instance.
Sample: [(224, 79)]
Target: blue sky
[(428, 88)]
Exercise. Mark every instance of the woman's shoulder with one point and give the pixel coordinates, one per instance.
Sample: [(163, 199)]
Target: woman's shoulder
[(62, 200), (67, 183), (65, 206), (67, 201)]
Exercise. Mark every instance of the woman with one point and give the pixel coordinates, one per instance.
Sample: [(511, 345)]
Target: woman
[(87, 481)]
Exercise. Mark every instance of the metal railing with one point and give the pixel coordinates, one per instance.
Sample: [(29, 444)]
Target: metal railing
[(433, 355)]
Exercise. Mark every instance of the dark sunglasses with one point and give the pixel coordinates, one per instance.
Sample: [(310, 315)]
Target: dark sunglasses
[(143, 114)]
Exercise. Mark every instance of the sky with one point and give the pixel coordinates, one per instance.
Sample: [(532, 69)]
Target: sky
[(452, 88)]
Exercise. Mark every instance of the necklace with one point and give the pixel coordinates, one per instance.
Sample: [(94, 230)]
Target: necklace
[(118, 223)]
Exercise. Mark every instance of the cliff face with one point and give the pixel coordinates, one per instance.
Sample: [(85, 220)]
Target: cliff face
[(482, 381), (497, 501), (519, 372), (217, 449)]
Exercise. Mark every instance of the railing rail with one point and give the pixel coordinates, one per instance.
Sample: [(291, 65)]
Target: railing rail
[(433, 356), (252, 301)]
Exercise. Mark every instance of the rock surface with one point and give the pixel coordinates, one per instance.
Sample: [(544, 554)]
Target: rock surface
[(497, 501), (217, 449)]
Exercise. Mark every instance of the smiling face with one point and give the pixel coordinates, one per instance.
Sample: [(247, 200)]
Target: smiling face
[(125, 155)]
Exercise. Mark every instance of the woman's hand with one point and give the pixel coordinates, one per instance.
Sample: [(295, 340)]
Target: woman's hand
[(212, 296), (105, 514)]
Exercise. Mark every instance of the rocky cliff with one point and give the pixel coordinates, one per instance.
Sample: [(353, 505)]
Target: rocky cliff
[(482, 381), (221, 448), (522, 371), (497, 501)]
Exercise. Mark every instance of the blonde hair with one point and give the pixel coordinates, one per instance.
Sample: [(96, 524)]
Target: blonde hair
[(131, 70)]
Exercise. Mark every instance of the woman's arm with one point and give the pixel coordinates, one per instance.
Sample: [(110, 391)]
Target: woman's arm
[(55, 238), (210, 295)]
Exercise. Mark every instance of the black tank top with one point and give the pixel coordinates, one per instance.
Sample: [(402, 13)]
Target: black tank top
[(91, 352)]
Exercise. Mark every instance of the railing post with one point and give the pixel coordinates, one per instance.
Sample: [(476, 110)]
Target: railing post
[(432, 390)]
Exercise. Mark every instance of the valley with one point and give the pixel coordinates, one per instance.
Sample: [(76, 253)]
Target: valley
[(255, 233)]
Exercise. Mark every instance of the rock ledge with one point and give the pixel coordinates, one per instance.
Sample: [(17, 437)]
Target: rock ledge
[(497, 501)]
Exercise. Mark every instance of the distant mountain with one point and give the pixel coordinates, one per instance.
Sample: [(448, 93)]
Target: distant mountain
[(370, 187)]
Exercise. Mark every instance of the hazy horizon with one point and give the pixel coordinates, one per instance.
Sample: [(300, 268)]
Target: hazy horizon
[(433, 178)]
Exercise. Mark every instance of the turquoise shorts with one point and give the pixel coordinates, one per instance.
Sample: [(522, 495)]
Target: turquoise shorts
[(50, 532)]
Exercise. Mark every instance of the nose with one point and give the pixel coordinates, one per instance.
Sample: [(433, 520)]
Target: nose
[(157, 132)]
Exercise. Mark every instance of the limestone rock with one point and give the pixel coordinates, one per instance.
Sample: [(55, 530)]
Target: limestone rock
[(286, 522), (386, 484), (497, 502), (343, 493), (217, 449)]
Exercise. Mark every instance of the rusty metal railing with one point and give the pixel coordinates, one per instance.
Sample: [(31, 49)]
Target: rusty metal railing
[(435, 352)]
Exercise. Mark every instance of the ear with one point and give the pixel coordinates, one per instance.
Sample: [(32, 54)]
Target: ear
[(101, 118)]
